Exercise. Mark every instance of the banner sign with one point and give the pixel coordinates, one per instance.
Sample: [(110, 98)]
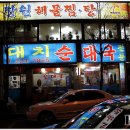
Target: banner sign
[(63, 10), (113, 52), (50, 80), (85, 117), (41, 53), (109, 118)]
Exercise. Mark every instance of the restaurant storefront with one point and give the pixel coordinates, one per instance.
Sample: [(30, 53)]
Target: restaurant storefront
[(57, 46)]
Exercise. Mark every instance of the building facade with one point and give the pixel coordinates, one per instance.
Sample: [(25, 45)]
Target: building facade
[(48, 48)]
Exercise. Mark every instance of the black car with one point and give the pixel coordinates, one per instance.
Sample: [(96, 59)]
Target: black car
[(113, 113)]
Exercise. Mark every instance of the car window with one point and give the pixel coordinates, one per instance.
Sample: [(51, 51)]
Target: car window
[(74, 97), (59, 98), (84, 96), (92, 95)]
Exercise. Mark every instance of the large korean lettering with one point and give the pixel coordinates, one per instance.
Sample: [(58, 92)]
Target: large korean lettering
[(90, 9), (109, 52), (89, 52), (63, 53), (10, 11), (39, 50), (18, 51), (25, 10), (41, 10), (56, 10), (71, 9)]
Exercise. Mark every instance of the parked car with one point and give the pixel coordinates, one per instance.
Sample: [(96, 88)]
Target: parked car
[(112, 113), (66, 106)]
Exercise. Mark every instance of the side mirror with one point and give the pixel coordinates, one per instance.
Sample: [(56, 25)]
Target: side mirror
[(65, 101)]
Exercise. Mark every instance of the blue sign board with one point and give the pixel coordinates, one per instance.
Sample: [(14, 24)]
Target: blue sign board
[(113, 52), (41, 53), (86, 116)]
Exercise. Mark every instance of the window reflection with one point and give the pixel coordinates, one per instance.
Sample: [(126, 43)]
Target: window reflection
[(107, 31), (127, 31), (122, 31), (90, 77), (49, 31), (21, 33), (91, 31), (71, 31), (110, 31)]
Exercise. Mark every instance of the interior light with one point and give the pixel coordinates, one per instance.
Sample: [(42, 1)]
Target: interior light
[(56, 36), (52, 27), (57, 70), (66, 29), (92, 68), (88, 27), (82, 66), (43, 70)]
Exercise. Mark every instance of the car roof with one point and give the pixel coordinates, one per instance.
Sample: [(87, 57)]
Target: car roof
[(77, 90)]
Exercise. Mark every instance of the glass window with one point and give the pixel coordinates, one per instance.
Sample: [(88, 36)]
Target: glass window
[(102, 31), (49, 31), (91, 31), (90, 77), (21, 33), (19, 30), (71, 31), (111, 78), (51, 77), (127, 31), (26, 33), (93, 95), (122, 31), (110, 31)]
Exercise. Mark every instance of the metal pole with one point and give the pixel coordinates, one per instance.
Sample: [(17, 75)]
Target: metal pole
[(101, 67)]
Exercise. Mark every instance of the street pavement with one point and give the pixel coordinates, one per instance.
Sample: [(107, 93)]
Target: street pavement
[(17, 119)]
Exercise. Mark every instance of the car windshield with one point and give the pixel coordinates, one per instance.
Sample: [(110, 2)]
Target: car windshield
[(59, 98)]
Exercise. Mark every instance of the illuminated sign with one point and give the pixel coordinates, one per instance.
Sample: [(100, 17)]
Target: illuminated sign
[(113, 52), (114, 10), (63, 10), (86, 116), (41, 53), (109, 118)]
